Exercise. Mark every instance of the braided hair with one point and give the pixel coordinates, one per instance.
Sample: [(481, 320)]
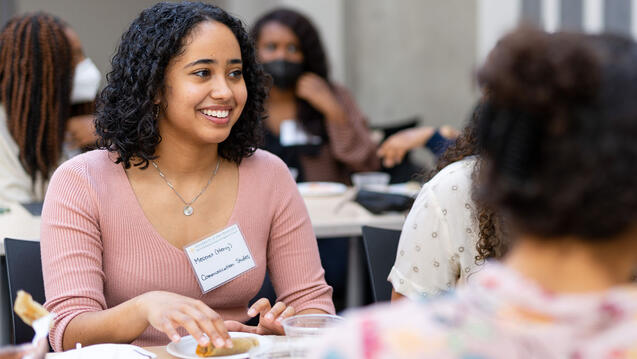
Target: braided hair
[(35, 88)]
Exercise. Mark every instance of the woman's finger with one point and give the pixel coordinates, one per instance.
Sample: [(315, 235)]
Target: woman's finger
[(235, 326), (288, 312), (167, 327), (260, 306), (187, 322), (278, 308)]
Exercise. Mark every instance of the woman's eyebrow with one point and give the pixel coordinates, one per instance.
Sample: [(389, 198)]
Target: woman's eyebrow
[(212, 61)]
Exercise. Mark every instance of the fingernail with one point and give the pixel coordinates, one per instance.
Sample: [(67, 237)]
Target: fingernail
[(204, 341), (229, 343), (252, 312), (219, 342), (269, 316), (176, 338)]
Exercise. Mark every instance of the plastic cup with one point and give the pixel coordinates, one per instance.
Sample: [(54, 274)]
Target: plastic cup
[(371, 180)]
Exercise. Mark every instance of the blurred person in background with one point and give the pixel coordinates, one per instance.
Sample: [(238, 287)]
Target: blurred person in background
[(47, 87), (557, 141), (447, 235), (313, 124)]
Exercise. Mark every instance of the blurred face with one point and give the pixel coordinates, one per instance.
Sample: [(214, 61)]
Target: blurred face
[(204, 90), (278, 42)]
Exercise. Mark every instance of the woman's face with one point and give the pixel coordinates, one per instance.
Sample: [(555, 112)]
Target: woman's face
[(204, 90), (278, 42)]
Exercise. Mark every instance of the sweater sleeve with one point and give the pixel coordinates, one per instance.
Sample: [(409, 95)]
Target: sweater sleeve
[(71, 248), (293, 258), (350, 141)]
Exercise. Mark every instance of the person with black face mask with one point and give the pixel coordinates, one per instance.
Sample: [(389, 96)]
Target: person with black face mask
[(313, 124)]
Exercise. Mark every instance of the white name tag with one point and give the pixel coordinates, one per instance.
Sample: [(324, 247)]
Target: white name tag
[(219, 258)]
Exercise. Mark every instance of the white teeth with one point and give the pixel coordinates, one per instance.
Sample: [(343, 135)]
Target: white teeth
[(219, 114)]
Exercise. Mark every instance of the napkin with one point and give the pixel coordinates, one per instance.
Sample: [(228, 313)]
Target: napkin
[(379, 202), (107, 351)]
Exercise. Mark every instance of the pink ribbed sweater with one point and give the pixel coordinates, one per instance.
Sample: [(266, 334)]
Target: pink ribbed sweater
[(99, 249)]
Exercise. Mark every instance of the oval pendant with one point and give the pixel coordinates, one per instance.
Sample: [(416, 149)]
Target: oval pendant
[(188, 211)]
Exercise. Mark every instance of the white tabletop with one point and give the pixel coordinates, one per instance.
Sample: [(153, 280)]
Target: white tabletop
[(340, 216), (18, 223)]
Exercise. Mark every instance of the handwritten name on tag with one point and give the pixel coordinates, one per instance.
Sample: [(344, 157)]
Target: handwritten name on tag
[(219, 258)]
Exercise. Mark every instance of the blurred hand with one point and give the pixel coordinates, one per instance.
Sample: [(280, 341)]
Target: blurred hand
[(317, 92), (80, 131), (167, 311), (397, 145), (37, 351), (269, 318)]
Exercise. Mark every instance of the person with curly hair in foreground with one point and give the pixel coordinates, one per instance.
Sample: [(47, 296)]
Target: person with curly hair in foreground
[(170, 227), (558, 145)]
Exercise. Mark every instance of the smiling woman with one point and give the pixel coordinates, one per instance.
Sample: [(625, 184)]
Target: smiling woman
[(186, 95)]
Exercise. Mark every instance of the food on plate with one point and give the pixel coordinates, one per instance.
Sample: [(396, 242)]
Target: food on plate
[(27, 309), (239, 346)]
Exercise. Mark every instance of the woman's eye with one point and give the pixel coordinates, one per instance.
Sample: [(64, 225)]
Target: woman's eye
[(202, 73), (293, 49), (270, 46), (236, 74)]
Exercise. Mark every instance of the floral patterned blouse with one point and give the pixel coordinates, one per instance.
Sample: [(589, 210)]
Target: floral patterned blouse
[(499, 314), (437, 247)]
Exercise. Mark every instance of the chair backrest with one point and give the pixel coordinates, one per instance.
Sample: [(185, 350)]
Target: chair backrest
[(24, 271), (380, 253)]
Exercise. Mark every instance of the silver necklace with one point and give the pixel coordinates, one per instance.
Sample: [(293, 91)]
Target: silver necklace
[(188, 210)]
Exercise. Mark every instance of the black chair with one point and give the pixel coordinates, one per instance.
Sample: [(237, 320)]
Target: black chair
[(380, 253), (24, 271)]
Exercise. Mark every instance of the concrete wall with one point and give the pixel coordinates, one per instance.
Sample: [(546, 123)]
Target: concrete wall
[(413, 57)]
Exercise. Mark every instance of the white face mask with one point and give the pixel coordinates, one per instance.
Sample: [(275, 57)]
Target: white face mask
[(86, 81)]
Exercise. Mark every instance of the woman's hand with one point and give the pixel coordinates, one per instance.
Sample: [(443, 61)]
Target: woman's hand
[(168, 311), (269, 318), (317, 92), (397, 145)]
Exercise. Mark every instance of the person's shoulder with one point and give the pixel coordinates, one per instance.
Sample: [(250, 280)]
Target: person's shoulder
[(88, 164), (456, 171), (264, 162)]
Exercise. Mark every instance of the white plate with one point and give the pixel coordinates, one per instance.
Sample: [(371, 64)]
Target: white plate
[(320, 189), (185, 348)]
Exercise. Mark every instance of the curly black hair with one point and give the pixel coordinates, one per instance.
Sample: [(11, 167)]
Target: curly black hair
[(558, 134), (491, 241), (125, 121), (315, 60)]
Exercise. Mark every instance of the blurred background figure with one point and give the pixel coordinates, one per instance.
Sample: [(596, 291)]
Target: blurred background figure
[(393, 150), (447, 235), (45, 80), (313, 124), (557, 142)]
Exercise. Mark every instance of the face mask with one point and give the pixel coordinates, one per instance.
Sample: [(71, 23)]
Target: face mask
[(284, 73), (86, 81)]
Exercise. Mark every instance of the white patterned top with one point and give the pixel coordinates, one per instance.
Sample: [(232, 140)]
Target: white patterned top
[(437, 246)]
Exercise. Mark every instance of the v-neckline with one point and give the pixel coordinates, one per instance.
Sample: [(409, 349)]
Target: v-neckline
[(139, 211)]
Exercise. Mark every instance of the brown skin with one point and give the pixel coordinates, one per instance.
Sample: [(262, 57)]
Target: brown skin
[(394, 148), (278, 42), (187, 155)]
